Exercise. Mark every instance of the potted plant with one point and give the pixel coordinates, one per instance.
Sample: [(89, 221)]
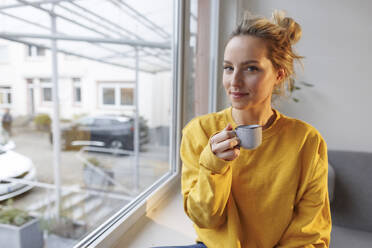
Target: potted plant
[(18, 229), (95, 174)]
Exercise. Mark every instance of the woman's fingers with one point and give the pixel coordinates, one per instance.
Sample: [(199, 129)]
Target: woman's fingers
[(225, 134), (229, 155), (224, 145)]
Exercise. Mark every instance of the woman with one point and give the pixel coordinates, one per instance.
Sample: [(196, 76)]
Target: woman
[(275, 195)]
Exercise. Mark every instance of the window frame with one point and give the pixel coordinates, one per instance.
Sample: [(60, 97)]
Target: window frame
[(33, 51), (107, 234), (117, 86), (7, 92), (45, 85)]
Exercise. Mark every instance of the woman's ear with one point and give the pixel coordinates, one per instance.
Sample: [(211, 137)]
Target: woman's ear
[(280, 75)]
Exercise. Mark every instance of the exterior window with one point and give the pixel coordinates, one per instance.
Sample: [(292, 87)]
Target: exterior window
[(5, 96), (116, 94), (77, 90), (34, 51), (126, 96), (4, 54), (46, 87), (108, 96)]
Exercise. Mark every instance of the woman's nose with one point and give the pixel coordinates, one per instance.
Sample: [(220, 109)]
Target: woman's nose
[(236, 79)]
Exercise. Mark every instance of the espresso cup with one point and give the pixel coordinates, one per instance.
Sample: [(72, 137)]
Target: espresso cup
[(250, 136)]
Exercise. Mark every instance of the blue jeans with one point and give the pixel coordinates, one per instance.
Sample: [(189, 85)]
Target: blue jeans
[(198, 245)]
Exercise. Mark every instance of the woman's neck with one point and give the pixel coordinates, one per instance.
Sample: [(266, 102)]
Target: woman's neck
[(264, 117)]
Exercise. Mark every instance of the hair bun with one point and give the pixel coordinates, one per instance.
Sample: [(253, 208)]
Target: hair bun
[(292, 28)]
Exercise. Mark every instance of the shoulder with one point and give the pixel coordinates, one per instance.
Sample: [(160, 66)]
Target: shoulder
[(307, 135)]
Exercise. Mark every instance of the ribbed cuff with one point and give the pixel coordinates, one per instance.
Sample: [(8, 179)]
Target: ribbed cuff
[(210, 161)]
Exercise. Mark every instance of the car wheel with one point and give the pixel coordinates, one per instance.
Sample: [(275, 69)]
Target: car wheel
[(116, 145)]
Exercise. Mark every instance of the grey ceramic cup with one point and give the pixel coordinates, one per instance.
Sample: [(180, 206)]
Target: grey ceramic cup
[(250, 136)]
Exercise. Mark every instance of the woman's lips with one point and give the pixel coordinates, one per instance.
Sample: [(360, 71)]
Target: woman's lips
[(238, 95)]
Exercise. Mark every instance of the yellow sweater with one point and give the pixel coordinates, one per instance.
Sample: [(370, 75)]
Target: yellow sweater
[(273, 196)]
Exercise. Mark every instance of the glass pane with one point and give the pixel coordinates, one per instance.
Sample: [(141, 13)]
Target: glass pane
[(101, 170), (47, 94), (9, 98), (4, 54), (108, 96), (126, 96), (77, 94)]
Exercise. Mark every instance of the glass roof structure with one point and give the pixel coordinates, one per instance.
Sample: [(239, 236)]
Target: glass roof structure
[(107, 31)]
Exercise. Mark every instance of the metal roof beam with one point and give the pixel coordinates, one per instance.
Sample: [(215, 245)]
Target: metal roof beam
[(149, 24), (70, 20), (117, 53), (101, 18), (74, 54), (134, 43), (12, 6)]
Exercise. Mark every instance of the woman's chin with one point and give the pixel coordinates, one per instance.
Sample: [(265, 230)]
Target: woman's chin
[(239, 105)]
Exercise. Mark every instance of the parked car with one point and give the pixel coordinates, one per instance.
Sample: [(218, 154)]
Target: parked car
[(14, 165), (108, 131)]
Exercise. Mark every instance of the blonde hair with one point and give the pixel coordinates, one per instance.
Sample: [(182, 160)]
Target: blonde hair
[(279, 33)]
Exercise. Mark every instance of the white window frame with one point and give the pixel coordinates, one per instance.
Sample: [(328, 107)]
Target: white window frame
[(44, 85), (117, 86), (6, 90), (34, 51)]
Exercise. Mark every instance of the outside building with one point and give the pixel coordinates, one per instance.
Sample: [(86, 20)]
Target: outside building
[(85, 87)]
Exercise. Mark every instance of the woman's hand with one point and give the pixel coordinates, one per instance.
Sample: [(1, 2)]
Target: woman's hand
[(224, 144)]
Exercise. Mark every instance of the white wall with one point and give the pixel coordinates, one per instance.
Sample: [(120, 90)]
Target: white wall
[(336, 41)]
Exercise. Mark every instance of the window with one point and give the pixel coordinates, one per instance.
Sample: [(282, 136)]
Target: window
[(76, 90), (46, 89), (35, 51), (5, 96), (4, 54), (126, 96), (116, 94), (110, 165)]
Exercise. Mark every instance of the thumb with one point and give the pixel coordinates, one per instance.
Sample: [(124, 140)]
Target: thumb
[(228, 127)]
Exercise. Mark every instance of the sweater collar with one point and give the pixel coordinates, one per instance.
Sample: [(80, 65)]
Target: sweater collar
[(265, 133)]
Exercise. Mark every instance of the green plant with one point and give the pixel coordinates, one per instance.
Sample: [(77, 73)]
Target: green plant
[(13, 216), (293, 87), (43, 121)]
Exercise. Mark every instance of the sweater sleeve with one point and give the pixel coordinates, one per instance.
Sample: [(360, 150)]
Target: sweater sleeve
[(311, 222), (206, 180)]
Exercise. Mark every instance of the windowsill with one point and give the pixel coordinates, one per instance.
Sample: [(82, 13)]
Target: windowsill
[(151, 222), (163, 225)]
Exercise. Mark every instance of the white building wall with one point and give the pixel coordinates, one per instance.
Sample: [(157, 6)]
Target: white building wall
[(154, 89)]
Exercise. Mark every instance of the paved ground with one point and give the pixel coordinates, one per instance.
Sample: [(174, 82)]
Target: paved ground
[(35, 145)]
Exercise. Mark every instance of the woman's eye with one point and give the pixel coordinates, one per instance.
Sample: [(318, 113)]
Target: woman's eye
[(228, 68), (252, 68)]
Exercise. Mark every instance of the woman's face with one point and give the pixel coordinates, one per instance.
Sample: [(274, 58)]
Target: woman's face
[(249, 76)]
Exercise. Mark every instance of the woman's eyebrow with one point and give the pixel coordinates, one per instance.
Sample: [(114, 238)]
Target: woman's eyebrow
[(243, 63)]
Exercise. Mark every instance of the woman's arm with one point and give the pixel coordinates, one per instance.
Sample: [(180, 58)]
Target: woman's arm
[(206, 180), (311, 223)]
